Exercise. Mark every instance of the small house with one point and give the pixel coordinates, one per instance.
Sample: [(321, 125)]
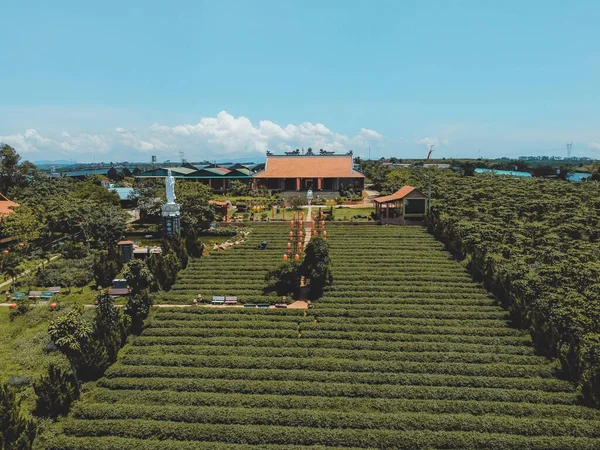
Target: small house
[(406, 203)]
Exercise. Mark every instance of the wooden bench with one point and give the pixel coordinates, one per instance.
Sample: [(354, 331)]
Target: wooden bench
[(281, 305), (230, 300), (216, 300), (250, 305), (35, 294), (54, 289), (117, 292)]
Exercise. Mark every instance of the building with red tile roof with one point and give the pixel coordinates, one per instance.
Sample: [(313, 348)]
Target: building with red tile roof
[(317, 172), (406, 203)]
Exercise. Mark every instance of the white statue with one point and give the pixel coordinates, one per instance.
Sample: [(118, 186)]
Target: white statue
[(170, 185)]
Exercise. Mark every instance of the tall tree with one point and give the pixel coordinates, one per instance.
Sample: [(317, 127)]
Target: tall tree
[(11, 174)]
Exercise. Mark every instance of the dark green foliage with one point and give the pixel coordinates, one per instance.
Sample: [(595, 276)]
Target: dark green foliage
[(138, 307), (193, 245), (535, 245), (23, 305), (138, 275), (107, 265), (238, 189), (285, 279), (74, 250), (91, 347), (55, 392), (16, 432), (196, 212), (315, 266), (177, 245), (67, 272)]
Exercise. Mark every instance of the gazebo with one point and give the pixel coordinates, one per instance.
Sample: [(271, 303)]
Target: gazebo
[(406, 203)]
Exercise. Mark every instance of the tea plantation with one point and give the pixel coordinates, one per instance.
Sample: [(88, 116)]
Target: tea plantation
[(404, 351)]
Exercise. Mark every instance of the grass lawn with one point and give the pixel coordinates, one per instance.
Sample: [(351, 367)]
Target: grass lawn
[(22, 349)]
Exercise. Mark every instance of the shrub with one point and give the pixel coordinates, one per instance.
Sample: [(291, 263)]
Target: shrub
[(16, 432), (285, 279), (55, 391)]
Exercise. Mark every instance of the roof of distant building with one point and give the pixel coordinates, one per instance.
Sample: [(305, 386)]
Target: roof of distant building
[(398, 195), (303, 166), (6, 206), (513, 173)]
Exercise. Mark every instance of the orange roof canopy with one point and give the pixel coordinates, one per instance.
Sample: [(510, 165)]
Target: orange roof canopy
[(398, 195), (7, 206), (309, 167)]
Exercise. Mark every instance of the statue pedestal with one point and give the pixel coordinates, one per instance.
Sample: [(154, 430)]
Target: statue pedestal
[(171, 219)]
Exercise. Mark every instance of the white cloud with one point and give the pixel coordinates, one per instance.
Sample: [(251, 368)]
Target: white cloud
[(370, 134), (221, 136), (427, 141), (594, 145)]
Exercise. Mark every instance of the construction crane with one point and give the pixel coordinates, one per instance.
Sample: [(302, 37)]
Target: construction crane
[(430, 152)]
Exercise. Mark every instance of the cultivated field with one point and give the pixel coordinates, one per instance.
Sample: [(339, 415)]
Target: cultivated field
[(405, 351), (239, 271)]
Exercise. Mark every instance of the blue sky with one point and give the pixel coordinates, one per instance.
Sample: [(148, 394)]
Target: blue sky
[(125, 80)]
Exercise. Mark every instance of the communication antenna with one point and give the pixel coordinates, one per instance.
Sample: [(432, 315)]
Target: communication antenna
[(181, 156), (569, 146)]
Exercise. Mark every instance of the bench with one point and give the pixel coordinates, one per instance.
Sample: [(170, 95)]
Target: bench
[(35, 294), (117, 292), (218, 300), (54, 289), (46, 295), (263, 305), (230, 300), (250, 305), (18, 296), (281, 305)]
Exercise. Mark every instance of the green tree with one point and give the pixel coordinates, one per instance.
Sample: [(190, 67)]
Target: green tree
[(23, 225), (151, 195), (16, 432), (70, 333), (55, 392), (107, 265), (139, 277), (315, 266), (297, 202), (12, 175), (238, 189), (196, 212), (285, 279)]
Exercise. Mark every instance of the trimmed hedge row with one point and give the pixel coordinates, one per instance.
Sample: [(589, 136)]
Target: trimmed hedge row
[(275, 348), (340, 389), (420, 365), (329, 361), (383, 405), (347, 420), (350, 344), (400, 379), (119, 443), (289, 435)]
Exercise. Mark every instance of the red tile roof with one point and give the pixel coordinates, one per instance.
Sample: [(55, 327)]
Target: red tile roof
[(6, 206), (398, 195), (309, 167)]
